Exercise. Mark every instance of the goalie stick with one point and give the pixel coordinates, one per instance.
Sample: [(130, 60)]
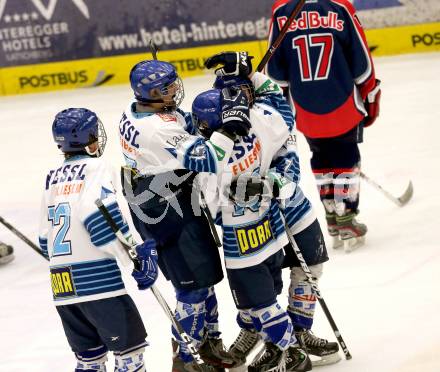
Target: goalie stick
[(318, 294), (129, 245), (401, 200), (23, 237)]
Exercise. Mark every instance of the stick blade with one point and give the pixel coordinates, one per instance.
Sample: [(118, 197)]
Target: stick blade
[(407, 195)]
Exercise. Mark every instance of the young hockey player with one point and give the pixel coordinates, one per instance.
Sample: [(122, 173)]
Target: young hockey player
[(164, 156), (6, 253), (305, 230), (253, 231), (325, 61), (96, 312)]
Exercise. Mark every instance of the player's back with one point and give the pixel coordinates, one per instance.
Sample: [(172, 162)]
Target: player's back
[(323, 57), (252, 231), (75, 236), (149, 139)]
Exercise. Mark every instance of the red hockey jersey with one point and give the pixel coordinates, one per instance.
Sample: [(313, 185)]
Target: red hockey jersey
[(325, 61)]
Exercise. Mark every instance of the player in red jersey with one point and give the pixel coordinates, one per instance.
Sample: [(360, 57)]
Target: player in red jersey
[(324, 60)]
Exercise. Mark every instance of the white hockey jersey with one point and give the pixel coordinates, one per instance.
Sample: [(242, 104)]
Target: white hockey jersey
[(154, 143), (252, 233), (75, 237)]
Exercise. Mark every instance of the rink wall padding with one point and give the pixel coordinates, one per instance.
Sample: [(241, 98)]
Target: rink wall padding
[(68, 44), (93, 72), (87, 73)]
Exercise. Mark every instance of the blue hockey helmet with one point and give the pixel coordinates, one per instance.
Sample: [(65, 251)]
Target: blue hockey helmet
[(156, 81), (207, 111), (236, 82), (74, 129)]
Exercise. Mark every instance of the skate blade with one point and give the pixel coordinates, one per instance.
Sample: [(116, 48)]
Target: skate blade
[(324, 360), (6, 259), (337, 242), (351, 244)]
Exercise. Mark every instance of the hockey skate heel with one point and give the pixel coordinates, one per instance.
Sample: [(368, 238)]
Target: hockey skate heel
[(351, 232), (321, 351), (333, 230), (6, 253)]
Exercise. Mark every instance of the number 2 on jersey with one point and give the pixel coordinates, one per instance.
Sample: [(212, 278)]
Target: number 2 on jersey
[(302, 44), (61, 247)]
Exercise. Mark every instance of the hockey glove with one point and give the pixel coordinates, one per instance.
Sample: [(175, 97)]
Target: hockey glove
[(231, 64), (235, 113), (372, 105), (148, 272)]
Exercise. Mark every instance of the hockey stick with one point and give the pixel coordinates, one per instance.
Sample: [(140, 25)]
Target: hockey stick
[(129, 245), (23, 237), (401, 200), (317, 292), (153, 49), (280, 36)]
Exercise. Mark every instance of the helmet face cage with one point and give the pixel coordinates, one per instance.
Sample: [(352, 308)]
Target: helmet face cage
[(102, 139), (173, 94)]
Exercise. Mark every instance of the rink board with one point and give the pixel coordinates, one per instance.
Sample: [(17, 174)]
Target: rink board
[(189, 62)]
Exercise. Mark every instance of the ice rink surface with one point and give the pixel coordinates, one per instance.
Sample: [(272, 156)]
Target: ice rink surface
[(384, 297)]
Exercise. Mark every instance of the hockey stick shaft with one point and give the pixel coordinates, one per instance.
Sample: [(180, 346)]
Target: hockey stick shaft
[(318, 294), (129, 247), (270, 52), (23, 237), (211, 223)]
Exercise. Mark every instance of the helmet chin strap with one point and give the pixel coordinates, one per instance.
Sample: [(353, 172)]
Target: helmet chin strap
[(97, 153)]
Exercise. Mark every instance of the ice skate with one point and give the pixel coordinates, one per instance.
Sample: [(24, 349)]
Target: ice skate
[(6, 253), (213, 352), (333, 230), (273, 359), (321, 351), (180, 366), (246, 343), (351, 232), (297, 360)]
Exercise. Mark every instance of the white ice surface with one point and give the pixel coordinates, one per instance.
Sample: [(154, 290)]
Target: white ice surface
[(384, 297)]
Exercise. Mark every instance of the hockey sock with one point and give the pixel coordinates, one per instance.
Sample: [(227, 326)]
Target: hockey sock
[(211, 318), (92, 360), (130, 360), (190, 312), (346, 188), (244, 320), (273, 323), (324, 182), (302, 300)]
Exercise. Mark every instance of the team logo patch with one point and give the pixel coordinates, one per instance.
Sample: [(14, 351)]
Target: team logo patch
[(254, 237), (62, 282), (167, 117), (219, 152)]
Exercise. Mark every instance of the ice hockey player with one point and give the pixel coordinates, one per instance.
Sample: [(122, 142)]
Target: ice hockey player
[(253, 231), (325, 62), (6, 253), (164, 156), (305, 229), (96, 312)]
